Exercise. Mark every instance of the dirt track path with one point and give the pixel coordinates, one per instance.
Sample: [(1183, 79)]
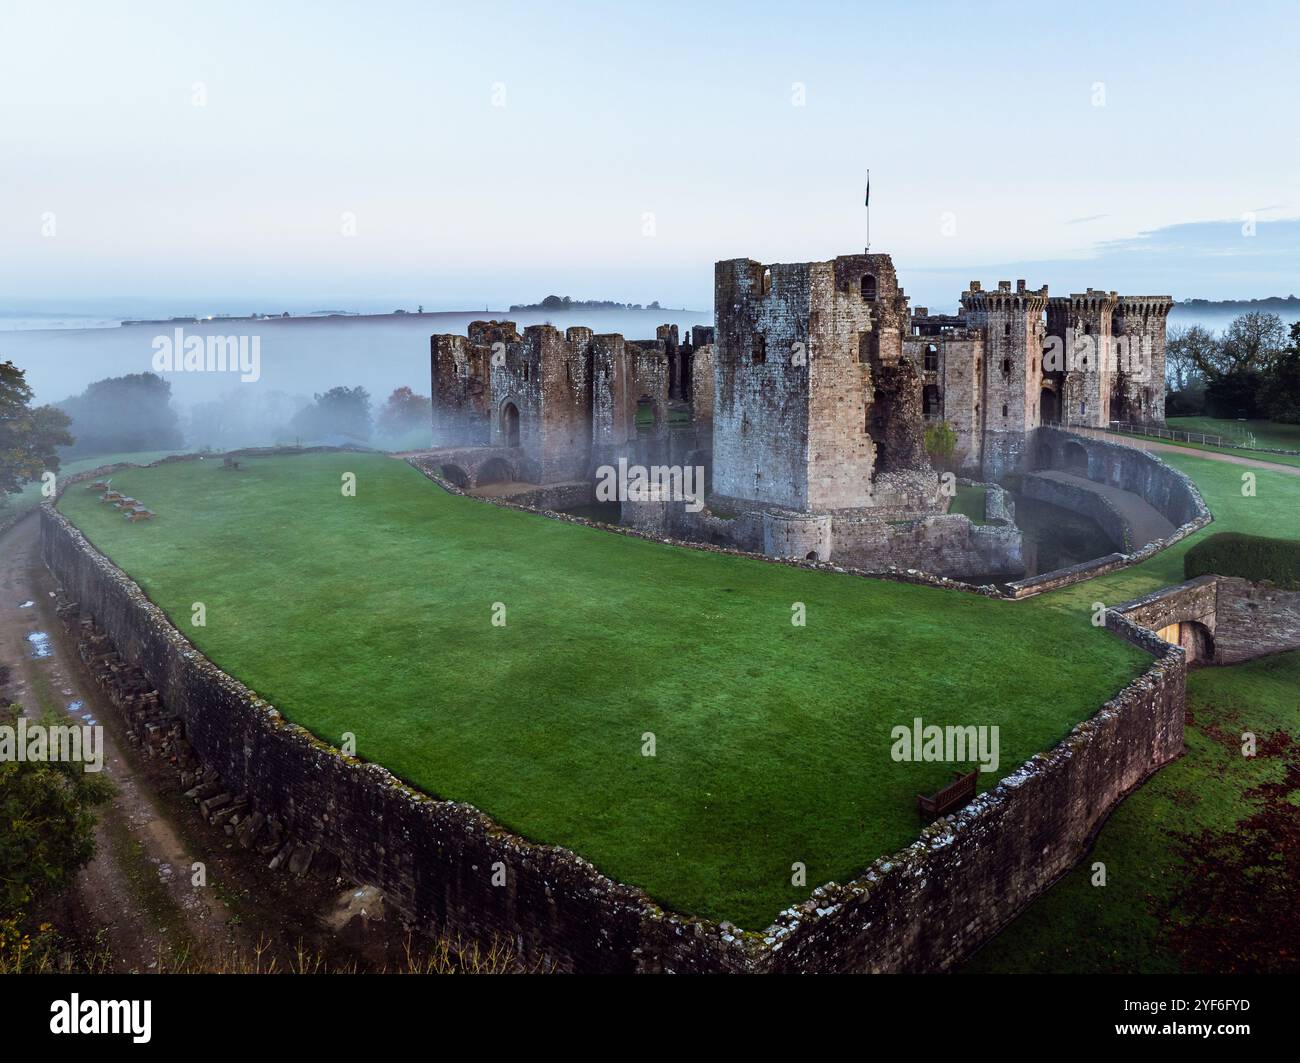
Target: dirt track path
[(134, 906), (1209, 455)]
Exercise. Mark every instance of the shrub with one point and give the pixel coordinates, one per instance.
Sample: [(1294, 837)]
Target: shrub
[(1251, 557), (940, 442)]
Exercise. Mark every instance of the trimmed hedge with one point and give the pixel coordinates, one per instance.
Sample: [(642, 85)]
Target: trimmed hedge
[(1251, 557)]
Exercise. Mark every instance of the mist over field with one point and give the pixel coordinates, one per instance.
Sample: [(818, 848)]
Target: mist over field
[(298, 356)]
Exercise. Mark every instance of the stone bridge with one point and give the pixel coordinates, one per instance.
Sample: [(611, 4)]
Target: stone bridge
[(1220, 619), (470, 467)]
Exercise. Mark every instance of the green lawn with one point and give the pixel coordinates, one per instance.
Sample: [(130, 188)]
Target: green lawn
[(1162, 907), (1276, 459), (970, 501), (31, 493), (373, 615), (1269, 434)]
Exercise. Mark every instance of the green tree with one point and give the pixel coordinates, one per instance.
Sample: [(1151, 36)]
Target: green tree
[(940, 442), (339, 411), (124, 413), (29, 436), (47, 812)]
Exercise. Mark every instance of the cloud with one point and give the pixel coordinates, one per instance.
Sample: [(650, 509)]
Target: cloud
[(1202, 259)]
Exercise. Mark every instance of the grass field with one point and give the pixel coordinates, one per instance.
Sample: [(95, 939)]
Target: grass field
[(374, 614), (1269, 434), (1276, 459), (31, 494)]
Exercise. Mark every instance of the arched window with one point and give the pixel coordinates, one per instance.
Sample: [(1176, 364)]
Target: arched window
[(1006, 366), (759, 350), (869, 287), (767, 280)]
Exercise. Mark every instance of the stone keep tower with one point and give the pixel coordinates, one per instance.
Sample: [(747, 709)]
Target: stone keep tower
[(807, 368), (1082, 363), (1012, 376), (1138, 390)]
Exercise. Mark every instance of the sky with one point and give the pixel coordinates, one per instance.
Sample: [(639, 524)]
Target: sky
[(466, 155)]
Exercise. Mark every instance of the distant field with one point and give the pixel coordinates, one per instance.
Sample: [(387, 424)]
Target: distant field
[(373, 615), (31, 494), (1267, 434)]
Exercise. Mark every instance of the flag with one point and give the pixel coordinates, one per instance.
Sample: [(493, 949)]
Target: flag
[(868, 202)]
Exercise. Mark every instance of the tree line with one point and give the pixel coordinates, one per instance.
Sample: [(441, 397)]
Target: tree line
[(1252, 370)]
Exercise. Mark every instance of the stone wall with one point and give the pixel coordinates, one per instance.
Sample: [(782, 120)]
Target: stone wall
[(930, 906), (1245, 620), (1168, 490), (1080, 500), (950, 544), (434, 860)]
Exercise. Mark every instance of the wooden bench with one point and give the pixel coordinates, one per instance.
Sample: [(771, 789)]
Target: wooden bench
[(99, 485), (952, 796), (229, 463), (110, 496), (125, 502), (136, 513)]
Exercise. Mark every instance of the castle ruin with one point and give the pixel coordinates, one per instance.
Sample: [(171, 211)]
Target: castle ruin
[(807, 405)]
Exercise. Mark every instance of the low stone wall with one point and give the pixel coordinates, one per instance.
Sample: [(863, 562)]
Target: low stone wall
[(1080, 500), (949, 543), (1168, 490), (930, 906), (1254, 620), (1145, 475), (1246, 620)]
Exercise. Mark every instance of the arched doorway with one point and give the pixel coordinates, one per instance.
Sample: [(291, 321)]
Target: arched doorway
[(510, 425), (1194, 637), (1047, 411)]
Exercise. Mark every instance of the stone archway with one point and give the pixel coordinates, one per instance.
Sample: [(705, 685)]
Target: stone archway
[(510, 425), (454, 474), (495, 471), (1075, 458), (1048, 410)]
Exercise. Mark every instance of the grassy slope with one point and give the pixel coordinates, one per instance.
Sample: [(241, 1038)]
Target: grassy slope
[(1272, 434), (1125, 925), (773, 741)]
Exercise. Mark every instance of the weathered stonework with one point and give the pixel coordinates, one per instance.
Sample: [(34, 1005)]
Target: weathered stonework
[(998, 369)]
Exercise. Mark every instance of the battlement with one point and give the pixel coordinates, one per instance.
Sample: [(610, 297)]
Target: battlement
[(1090, 301), (1145, 305), (1004, 299)]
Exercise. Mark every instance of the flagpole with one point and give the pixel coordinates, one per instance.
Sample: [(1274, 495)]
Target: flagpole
[(868, 206)]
